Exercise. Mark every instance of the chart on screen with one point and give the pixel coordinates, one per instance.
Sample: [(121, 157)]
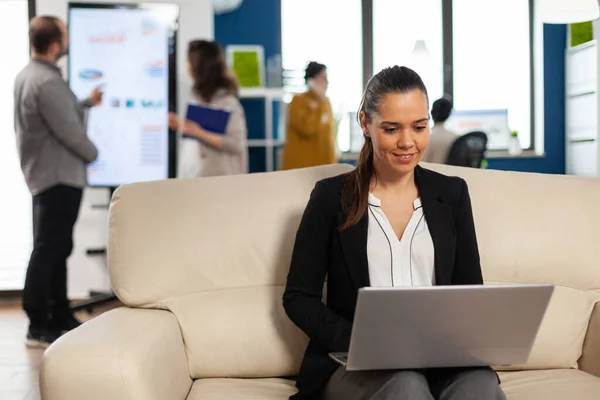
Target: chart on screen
[(126, 51)]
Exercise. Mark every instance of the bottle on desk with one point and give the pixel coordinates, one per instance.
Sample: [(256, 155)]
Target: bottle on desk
[(514, 146)]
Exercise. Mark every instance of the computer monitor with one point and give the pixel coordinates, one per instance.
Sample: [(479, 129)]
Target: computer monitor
[(494, 123), (128, 49)]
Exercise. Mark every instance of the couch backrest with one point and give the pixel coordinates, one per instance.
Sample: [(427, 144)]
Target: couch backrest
[(216, 252)]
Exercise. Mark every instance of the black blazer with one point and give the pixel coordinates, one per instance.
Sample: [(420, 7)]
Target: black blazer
[(321, 249)]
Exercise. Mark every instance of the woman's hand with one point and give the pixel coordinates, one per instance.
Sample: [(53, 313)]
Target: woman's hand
[(173, 121), (186, 126), (192, 129)]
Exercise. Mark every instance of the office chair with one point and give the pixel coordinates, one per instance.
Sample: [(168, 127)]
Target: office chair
[(468, 150)]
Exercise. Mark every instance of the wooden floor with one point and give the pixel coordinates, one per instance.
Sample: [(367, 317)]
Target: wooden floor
[(18, 365)]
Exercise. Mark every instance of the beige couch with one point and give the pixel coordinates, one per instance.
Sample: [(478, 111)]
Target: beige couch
[(202, 266)]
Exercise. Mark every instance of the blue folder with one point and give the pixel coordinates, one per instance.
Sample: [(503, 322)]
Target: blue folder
[(210, 119)]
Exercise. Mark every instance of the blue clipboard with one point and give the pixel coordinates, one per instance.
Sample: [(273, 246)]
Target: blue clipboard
[(210, 119)]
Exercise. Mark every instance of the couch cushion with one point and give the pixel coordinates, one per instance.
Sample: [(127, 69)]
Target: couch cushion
[(550, 385), (560, 339), (242, 333), (251, 337), (242, 389)]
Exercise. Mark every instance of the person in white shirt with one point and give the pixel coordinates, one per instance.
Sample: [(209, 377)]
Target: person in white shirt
[(387, 223), (441, 139)]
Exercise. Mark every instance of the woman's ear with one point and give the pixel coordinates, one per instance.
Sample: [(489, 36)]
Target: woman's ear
[(363, 123), (188, 67)]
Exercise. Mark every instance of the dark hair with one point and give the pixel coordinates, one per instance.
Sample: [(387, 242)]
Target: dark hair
[(313, 69), (43, 32), (355, 193), (441, 109), (209, 69)]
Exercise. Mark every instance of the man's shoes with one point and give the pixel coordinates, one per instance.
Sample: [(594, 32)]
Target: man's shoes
[(41, 338), (67, 323)]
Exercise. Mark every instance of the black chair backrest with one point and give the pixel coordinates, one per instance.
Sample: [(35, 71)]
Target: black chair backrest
[(468, 150)]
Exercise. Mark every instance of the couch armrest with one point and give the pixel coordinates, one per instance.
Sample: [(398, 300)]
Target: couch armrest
[(124, 354), (590, 360)]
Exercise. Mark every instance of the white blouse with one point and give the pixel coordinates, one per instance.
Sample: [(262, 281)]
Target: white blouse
[(405, 262)]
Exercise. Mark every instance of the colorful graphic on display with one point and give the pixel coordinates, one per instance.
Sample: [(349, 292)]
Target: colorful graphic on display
[(156, 69), (90, 74), (129, 103), (152, 128), (149, 27), (152, 103), (115, 103), (107, 38)]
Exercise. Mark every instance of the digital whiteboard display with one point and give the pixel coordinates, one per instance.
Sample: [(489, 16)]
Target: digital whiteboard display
[(127, 50)]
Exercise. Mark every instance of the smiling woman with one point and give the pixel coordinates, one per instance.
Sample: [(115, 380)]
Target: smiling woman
[(387, 223)]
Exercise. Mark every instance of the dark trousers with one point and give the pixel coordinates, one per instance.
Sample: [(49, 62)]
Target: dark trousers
[(434, 384), (54, 215)]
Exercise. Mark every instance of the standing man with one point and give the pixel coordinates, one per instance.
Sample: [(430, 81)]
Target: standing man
[(54, 150)]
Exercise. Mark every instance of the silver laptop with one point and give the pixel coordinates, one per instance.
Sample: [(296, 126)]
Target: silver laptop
[(445, 326)]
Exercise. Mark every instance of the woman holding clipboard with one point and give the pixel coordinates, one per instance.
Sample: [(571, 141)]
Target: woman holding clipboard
[(203, 152)]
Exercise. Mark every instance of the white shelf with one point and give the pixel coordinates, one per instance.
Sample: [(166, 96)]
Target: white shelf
[(270, 95), (582, 69), (265, 142), (582, 128), (262, 93)]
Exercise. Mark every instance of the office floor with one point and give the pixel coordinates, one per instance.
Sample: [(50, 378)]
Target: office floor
[(19, 366)]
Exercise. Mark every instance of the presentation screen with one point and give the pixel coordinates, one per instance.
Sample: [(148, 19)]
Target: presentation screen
[(129, 52)]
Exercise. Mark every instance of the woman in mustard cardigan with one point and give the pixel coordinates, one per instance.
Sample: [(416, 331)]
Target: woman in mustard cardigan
[(310, 138)]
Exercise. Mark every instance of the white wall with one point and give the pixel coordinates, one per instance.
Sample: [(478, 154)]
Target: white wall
[(89, 273), (15, 213)]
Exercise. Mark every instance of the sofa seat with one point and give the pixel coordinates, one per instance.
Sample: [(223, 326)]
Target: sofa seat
[(242, 389), (550, 385), (525, 385)]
